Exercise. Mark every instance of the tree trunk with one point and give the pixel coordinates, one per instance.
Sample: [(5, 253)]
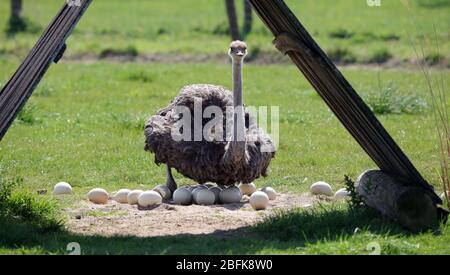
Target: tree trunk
[(248, 18), (410, 206), (232, 19), (16, 22), (16, 8)]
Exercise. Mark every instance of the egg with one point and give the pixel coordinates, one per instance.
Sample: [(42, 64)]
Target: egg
[(195, 192), (149, 198), (230, 195), (271, 193), (259, 200), (205, 197), (133, 196), (247, 188), (216, 190), (182, 196), (164, 191), (321, 188), (98, 195), (342, 194), (62, 188), (121, 196)]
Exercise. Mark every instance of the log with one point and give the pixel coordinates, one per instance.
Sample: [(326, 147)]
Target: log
[(406, 204)]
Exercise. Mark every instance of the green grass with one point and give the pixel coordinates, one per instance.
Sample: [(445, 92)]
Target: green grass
[(84, 122), (327, 230), (90, 124), (199, 27), (90, 134)]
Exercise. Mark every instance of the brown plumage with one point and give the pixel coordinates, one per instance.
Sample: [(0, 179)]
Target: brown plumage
[(224, 162)]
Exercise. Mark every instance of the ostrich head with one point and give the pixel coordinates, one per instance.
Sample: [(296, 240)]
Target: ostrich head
[(238, 49)]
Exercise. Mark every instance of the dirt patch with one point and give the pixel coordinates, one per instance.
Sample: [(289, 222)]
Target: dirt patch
[(167, 219)]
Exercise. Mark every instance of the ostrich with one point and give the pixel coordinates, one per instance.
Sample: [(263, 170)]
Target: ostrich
[(243, 158)]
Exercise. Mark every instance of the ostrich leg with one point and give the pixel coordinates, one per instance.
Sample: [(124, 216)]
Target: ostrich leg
[(170, 180)]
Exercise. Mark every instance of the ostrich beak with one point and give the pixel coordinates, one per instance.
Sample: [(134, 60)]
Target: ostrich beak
[(240, 53)]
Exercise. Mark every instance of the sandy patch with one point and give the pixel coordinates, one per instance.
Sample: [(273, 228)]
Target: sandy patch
[(114, 219)]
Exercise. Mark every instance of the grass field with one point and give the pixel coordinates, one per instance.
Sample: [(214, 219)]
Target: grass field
[(348, 30), (84, 122)]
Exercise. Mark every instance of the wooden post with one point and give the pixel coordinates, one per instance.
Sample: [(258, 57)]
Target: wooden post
[(232, 20), (293, 39), (406, 204), (16, 8), (248, 19), (16, 22)]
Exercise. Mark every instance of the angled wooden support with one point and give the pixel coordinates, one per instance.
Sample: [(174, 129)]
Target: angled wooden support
[(292, 38), (49, 48)]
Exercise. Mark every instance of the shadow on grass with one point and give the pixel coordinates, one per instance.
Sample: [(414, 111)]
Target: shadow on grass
[(285, 232)]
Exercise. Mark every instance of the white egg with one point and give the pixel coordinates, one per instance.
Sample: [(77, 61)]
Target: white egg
[(230, 195), (164, 191), (121, 196), (216, 190), (205, 197), (271, 193), (247, 188), (321, 188), (149, 198), (342, 194), (98, 195), (62, 188), (133, 196), (259, 200), (195, 192), (182, 196)]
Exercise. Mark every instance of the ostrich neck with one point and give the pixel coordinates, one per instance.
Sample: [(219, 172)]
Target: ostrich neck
[(237, 82), (236, 146)]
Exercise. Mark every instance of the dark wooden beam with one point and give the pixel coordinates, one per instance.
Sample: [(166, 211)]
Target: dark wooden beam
[(293, 39), (48, 49)]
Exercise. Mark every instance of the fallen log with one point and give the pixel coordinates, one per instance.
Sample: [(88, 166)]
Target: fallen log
[(404, 203)]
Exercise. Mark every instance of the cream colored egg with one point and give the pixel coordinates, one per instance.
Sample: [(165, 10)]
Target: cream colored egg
[(342, 194), (182, 196), (149, 198), (216, 190), (98, 195), (133, 196), (205, 197), (259, 200), (62, 188), (121, 196), (230, 195), (271, 193), (164, 191), (321, 188), (247, 188)]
